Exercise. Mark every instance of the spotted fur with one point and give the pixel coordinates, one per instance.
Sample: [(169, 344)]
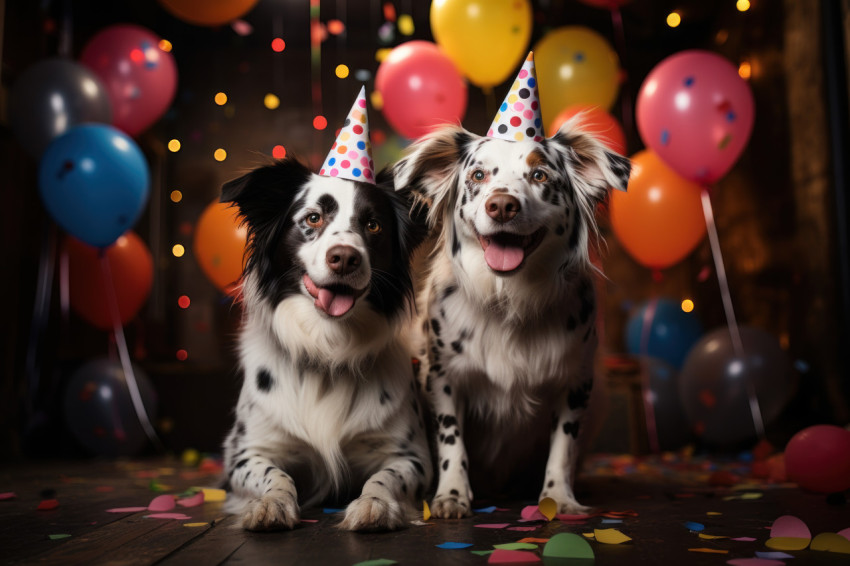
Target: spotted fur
[(509, 344), (328, 406)]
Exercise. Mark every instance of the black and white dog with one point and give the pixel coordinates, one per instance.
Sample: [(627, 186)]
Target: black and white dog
[(508, 305), (329, 403)]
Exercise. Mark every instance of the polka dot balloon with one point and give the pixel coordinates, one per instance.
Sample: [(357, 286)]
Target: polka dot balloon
[(350, 156), (519, 115)]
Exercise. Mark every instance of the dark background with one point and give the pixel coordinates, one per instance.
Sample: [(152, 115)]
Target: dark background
[(784, 261)]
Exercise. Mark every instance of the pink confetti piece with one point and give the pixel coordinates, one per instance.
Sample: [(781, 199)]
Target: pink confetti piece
[(500, 556), (492, 525), (743, 539), (790, 526), (844, 533), (8, 495), (162, 503), (48, 505), (126, 509), (523, 529), (572, 517), (532, 513), (178, 516), (192, 500)]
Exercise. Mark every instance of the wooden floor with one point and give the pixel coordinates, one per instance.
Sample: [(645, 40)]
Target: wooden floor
[(654, 509)]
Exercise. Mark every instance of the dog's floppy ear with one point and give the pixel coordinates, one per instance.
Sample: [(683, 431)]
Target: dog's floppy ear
[(430, 168), (599, 167), (266, 193)]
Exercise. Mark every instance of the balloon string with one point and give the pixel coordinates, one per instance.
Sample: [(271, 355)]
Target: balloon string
[(124, 355), (726, 296), (64, 284), (648, 407), (41, 311)]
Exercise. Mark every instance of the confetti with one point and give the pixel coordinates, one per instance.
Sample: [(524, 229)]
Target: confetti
[(193, 525), (58, 536), (177, 516), (213, 494), (790, 526), (692, 526), (7, 496), (709, 550), (548, 508), (126, 509), (376, 562), (512, 557), (426, 511), (453, 545), (331, 510), (710, 537), (787, 543), (610, 536), (48, 505), (492, 525), (523, 529), (192, 501), (831, 542), (532, 513), (532, 539), (515, 546), (162, 503), (485, 509), (567, 545), (774, 555)]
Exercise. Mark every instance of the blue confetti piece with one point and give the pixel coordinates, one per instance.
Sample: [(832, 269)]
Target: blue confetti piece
[(689, 81), (454, 545), (485, 509), (692, 526), (665, 137), (773, 555), (331, 510), (609, 521)]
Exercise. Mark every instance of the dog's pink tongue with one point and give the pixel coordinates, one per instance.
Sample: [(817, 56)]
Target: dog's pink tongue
[(503, 258), (333, 304)]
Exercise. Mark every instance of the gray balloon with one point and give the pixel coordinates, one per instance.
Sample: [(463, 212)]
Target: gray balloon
[(53, 96), (715, 383), (671, 424)]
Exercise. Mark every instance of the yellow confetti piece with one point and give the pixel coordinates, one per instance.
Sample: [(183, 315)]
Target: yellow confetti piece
[(212, 494), (787, 543), (405, 24), (710, 537), (195, 524), (610, 536), (831, 542), (713, 513), (426, 511), (709, 550), (548, 508), (588, 535)]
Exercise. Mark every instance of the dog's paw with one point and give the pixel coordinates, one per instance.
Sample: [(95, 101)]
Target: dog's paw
[(450, 506), (369, 513), (269, 513), (572, 507)]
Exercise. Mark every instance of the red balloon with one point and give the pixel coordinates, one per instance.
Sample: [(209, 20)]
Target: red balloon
[(131, 267), (659, 220), (596, 121), (139, 76), (421, 89), (696, 113), (818, 459)]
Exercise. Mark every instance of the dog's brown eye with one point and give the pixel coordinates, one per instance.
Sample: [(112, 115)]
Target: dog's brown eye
[(314, 220), (373, 226), (478, 175), (539, 176)]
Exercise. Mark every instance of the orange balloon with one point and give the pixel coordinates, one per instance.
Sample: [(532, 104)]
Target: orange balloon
[(596, 121), (220, 245), (131, 270), (659, 220), (208, 12)]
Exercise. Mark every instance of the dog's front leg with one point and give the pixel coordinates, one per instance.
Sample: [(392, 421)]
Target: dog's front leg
[(454, 495), (273, 501), (563, 450)]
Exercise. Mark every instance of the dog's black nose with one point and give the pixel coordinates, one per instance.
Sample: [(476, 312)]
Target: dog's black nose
[(343, 259), (502, 207)]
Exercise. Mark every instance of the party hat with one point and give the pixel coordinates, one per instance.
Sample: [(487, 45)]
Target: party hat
[(351, 154), (519, 115)]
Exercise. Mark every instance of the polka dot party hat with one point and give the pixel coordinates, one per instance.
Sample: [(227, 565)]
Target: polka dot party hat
[(351, 154), (519, 115)]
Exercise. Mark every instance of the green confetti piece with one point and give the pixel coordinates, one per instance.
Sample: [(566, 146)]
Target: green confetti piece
[(516, 546), (482, 552), (376, 562), (58, 536), (567, 545)]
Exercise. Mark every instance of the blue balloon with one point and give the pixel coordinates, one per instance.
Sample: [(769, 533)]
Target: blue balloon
[(94, 182), (671, 333)]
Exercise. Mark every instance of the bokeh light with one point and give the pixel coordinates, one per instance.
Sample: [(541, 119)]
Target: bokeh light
[(278, 152), (742, 5), (174, 145), (278, 45), (342, 71), (320, 122), (178, 250), (183, 302), (271, 101), (687, 305), (745, 70), (220, 155), (165, 45), (674, 19), (221, 98), (182, 355), (176, 196), (335, 27), (405, 24)]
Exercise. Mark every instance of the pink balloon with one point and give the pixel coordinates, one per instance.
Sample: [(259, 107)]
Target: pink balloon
[(140, 78), (696, 113), (818, 459), (421, 89)]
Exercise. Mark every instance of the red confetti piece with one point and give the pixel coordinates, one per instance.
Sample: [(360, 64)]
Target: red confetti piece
[(48, 504)]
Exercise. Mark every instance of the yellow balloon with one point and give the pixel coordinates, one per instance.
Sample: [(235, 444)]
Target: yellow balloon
[(575, 65), (486, 39)]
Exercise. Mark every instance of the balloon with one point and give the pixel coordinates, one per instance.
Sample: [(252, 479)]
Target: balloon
[(139, 76), (670, 332), (818, 459), (99, 411), (466, 30), (208, 12), (696, 113), (131, 268), (671, 423), (659, 220), (595, 121), (421, 89), (715, 382), (94, 182), (220, 245), (575, 65), (52, 96)]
